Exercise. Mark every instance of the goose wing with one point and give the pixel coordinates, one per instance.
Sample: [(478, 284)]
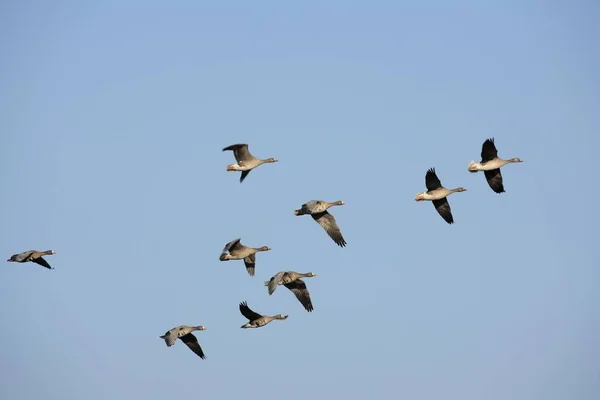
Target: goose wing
[(494, 179), (229, 247), (443, 208), (42, 262), (488, 150), (432, 181), (328, 222), (298, 287), (192, 342), (248, 313), (244, 175), (240, 152), (250, 263), (170, 337), (274, 281)]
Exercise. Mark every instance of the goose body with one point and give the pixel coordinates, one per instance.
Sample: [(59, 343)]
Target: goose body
[(317, 209), (292, 280), (34, 256), (490, 164), (438, 194), (184, 333), (255, 319), (235, 250), (246, 162)]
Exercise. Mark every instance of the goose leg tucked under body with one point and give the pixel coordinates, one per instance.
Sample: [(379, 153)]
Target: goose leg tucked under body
[(438, 194)]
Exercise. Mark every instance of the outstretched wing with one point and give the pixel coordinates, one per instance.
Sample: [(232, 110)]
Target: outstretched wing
[(298, 287), (432, 181), (488, 150), (250, 263), (248, 313), (244, 175), (229, 247), (443, 208), (42, 262), (274, 281), (192, 342), (494, 179), (170, 337), (240, 152), (328, 223)]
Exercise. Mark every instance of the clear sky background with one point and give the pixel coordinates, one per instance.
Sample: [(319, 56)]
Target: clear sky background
[(113, 115)]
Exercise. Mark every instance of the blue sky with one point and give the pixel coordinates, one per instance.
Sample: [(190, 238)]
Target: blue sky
[(113, 116)]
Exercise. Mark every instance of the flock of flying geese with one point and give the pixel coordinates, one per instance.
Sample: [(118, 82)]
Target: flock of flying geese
[(490, 164)]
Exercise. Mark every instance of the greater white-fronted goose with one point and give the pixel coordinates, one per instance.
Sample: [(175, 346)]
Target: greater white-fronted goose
[(235, 250), (490, 165), (437, 194), (292, 281), (257, 320), (318, 210), (33, 256), (246, 162), (184, 333)]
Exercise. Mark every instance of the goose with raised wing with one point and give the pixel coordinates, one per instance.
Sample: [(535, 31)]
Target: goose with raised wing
[(255, 319), (246, 162), (32, 256), (292, 280), (235, 250), (438, 194), (490, 164), (318, 210), (184, 333)]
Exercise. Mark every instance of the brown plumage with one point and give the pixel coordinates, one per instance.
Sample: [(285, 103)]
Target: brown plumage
[(246, 162), (317, 209), (32, 256), (235, 250), (292, 281)]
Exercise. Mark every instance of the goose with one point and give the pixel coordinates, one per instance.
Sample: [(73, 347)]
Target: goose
[(292, 281), (235, 250), (33, 256), (318, 210), (490, 165), (184, 333), (246, 162), (257, 320), (437, 194)]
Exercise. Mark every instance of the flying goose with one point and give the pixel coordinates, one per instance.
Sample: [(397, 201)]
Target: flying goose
[(292, 281), (184, 333), (234, 250), (437, 194), (33, 256), (318, 210), (490, 165), (246, 162), (256, 320)]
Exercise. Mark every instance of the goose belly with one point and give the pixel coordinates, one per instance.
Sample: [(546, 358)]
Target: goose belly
[(492, 164), (434, 195)]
